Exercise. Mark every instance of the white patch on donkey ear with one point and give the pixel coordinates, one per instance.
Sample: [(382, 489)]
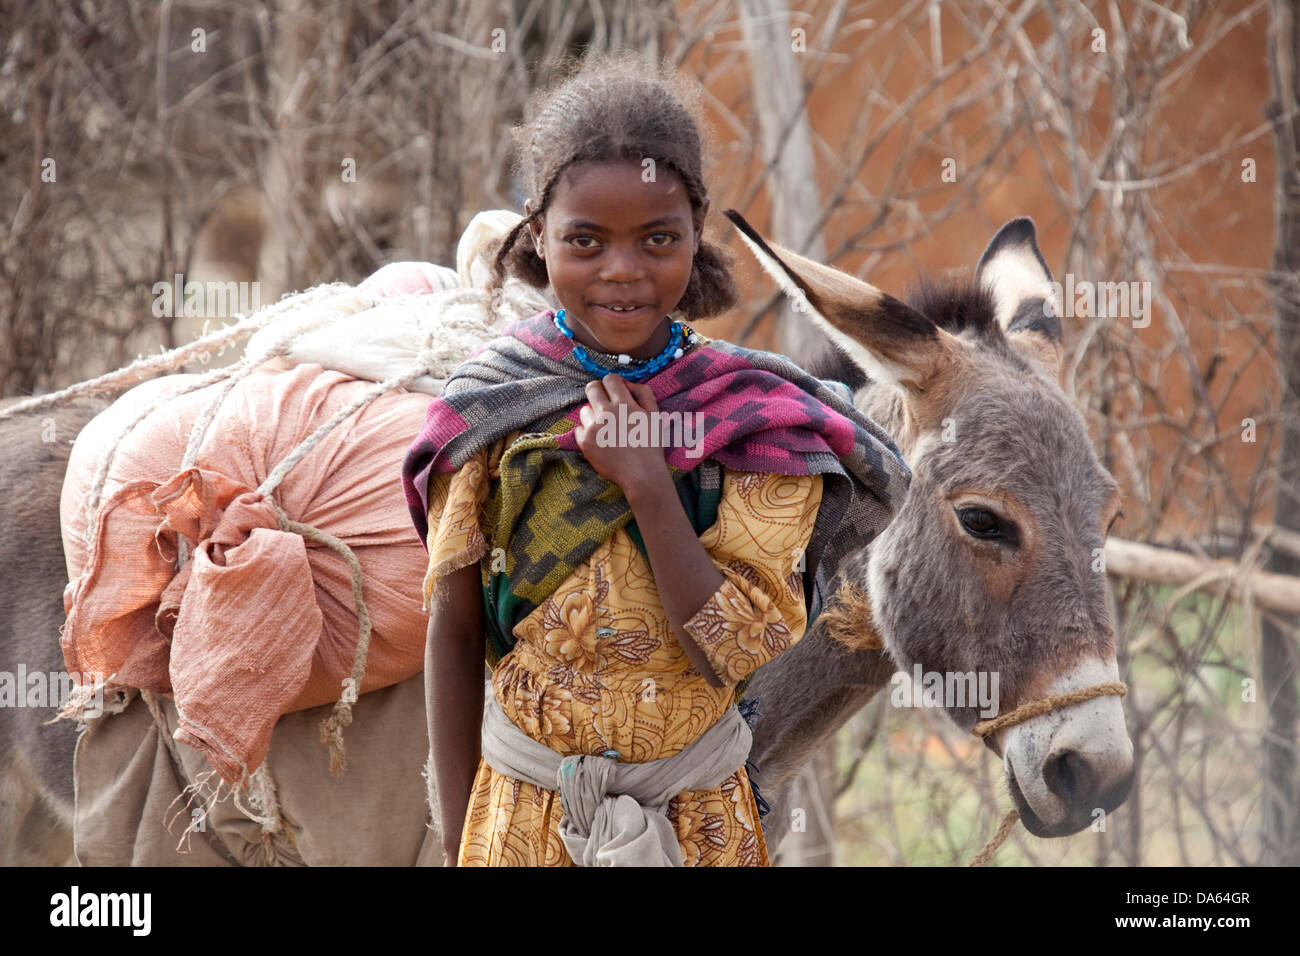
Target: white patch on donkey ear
[(777, 271), (1013, 268), (878, 369)]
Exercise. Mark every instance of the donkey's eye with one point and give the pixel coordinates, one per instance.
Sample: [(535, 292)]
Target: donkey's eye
[(982, 523)]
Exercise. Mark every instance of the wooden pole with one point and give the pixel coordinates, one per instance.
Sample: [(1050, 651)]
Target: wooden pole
[(775, 56), (1275, 592)]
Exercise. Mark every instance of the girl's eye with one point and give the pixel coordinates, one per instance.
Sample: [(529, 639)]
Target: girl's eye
[(984, 524), (667, 237), (582, 242)]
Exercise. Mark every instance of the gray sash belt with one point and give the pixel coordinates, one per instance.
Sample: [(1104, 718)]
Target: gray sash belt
[(615, 814)]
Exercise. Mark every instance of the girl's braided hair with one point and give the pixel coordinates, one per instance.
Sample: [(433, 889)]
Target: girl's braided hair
[(616, 107)]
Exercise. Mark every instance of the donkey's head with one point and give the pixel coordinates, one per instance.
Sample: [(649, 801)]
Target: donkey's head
[(992, 568)]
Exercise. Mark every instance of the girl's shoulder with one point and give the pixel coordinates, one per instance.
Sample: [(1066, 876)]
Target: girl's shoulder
[(473, 480), (842, 381), (484, 466)]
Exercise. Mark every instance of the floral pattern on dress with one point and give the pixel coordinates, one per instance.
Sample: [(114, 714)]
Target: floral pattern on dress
[(570, 630), (457, 499), (739, 630), (598, 667)]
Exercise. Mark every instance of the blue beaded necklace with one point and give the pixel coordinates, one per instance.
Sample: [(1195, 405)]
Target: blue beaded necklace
[(673, 350)]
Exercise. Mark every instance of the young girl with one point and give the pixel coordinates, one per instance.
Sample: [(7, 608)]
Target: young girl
[(622, 589)]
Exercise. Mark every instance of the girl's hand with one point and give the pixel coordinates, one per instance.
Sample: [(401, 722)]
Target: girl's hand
[(603, 433), (684, 572)]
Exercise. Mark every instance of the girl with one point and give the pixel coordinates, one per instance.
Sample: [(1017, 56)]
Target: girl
[(623, 518)]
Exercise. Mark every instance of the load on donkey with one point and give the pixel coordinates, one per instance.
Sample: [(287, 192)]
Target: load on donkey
[(239, 552), (240, 631)]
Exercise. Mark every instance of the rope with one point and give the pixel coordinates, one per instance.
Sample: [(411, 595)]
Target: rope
[(426, 364), (155, 709), (1034, 708), (149, 366), (331, 730), (263, 804), (96, 491), (234, 372), (1004, 829), (188, 793)]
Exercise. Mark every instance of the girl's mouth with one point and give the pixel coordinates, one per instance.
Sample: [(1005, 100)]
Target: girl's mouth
[(623, 313)]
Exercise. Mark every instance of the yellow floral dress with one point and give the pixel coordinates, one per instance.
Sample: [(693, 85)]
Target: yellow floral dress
[(596, 667)]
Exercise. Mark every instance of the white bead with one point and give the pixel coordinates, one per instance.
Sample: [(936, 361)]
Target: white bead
[(624, 359), (694, 338), (678, 354)]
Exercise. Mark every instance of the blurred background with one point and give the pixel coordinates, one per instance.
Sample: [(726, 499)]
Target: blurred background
[(291, 143)]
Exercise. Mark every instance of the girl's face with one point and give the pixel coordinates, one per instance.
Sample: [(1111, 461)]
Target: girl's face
[(618, 251)]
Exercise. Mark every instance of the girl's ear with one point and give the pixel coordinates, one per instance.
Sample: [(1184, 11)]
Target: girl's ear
[(535, 228), (700, 214)]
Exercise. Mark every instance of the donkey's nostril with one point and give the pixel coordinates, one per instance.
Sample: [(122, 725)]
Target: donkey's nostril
[(1069, 777)]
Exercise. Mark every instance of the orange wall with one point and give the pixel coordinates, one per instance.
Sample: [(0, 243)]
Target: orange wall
[(1207, 219)]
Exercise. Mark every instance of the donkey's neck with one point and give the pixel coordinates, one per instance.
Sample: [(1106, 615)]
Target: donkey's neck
[(804, 697), (808, 693)]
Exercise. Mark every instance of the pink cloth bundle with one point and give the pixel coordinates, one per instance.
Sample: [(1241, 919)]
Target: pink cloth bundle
[(260, 621)]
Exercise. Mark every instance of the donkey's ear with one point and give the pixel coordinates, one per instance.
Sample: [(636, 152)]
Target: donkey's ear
[(891, 341), (1024, 302)]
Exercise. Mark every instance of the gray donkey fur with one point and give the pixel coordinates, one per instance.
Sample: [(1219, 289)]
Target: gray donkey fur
[(964, 376), (35, 755)]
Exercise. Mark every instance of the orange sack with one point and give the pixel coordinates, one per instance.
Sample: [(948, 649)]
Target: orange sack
[(260, 621)]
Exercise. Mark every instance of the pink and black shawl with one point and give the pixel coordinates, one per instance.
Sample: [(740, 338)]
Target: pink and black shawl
[(551, 510)]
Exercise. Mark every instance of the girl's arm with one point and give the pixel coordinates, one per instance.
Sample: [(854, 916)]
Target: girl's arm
[(453, 684), (683, 571)]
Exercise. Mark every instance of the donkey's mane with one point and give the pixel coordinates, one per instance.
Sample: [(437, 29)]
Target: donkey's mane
[(957, 304), (833, 363)]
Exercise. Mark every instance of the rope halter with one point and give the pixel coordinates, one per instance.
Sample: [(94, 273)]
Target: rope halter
[(1027, 711)]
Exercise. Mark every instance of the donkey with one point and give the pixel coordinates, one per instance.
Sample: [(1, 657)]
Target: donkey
[(35, 755), (988, 567), (992, 566)]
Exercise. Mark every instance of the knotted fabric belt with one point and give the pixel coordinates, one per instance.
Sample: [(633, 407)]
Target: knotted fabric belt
[(616, 814)]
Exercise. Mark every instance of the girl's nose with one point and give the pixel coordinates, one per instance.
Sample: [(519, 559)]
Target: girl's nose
[(622, 267)]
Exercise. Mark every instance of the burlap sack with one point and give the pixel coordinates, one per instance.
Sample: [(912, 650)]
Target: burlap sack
[(261, 621)]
